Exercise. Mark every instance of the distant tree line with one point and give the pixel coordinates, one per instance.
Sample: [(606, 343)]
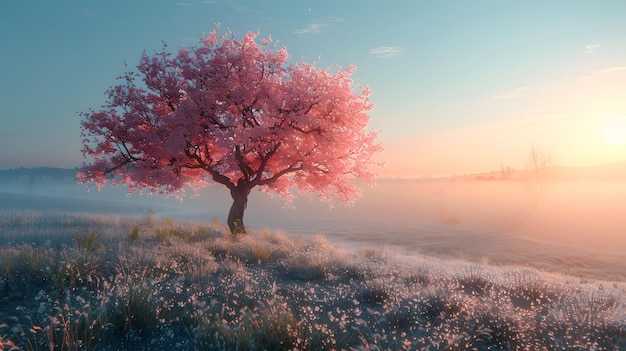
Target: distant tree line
[(34, 175)]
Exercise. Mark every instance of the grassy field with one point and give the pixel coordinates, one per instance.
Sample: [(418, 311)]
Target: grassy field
[(87, 282)]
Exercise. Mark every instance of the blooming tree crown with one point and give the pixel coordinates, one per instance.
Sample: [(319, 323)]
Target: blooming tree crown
[(233, 112)]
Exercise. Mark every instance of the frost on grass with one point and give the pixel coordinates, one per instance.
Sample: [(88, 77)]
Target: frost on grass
[(109, 283)]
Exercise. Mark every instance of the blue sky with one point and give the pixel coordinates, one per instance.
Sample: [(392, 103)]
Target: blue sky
[(459, 86)]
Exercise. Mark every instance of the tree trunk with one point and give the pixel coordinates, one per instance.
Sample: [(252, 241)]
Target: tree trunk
[(235, 215)]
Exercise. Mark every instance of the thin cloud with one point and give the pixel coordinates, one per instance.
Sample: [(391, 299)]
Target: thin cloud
[(521, 91), (336, 19), (616, 72), (205, 2), (386, 51), (512, 94), (81, 12), (604, 72), (236, 6), (313, 28), (591, 48), (243, 8), (319, 26)]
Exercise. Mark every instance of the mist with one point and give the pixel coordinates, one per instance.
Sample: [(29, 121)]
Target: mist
[(573, 227)]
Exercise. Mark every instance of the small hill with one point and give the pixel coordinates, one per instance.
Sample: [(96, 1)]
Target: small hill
[(604, 172), (35, 175)]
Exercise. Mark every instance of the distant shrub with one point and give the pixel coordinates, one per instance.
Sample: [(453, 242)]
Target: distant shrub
[(309, 265), (275, 326), (232, 267), (473, 280), (164, 234), (372, 253), (494, 330), (256, 252), (403, 316), (591, 314), (200, 233), (419, 274), (375, 292), (75, 327), (133, 236), (251, 248), (193, 262), (137, 309), (24, 267), (527, 292), (439, 306), (88, 240), (349, 272), (269, 325)]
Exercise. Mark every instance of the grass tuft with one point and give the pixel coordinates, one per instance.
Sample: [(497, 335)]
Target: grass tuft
[(308, 265), (474, 281)]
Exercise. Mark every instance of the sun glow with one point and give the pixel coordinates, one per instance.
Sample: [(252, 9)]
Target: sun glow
[(614, 131)]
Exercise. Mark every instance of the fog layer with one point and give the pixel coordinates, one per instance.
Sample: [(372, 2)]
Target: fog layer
[(575, 227)]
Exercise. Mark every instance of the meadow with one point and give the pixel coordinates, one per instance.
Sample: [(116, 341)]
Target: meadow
[(112, 282)]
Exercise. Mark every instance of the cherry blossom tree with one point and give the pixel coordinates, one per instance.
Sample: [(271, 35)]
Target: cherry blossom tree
[(236, 113)]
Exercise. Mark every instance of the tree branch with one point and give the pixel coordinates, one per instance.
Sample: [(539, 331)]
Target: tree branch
[(243, 166), (273, 178), (301, 130), (115, 168), (217, 177)]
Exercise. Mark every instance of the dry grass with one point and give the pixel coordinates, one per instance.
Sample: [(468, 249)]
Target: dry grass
[(109, 283)]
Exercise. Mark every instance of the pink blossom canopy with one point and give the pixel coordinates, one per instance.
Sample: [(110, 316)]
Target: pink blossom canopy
[(234, 112)]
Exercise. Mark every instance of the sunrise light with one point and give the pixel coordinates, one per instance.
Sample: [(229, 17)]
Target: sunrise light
[(614, 131)]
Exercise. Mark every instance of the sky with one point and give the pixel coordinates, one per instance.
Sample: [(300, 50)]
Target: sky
[(458, 86)]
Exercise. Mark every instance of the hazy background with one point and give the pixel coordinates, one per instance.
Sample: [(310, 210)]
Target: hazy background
[(577, 225)]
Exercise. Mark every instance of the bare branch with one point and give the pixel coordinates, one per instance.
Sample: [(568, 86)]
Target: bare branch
[(217, 177), (245, 168)]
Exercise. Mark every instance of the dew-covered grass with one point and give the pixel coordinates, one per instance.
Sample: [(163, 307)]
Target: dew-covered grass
[(85, 282)]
